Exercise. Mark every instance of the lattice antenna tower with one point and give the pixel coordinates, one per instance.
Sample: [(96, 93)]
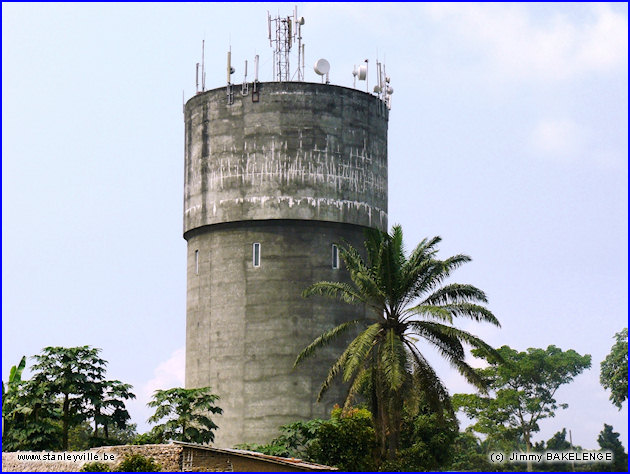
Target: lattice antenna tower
[(283, 33)]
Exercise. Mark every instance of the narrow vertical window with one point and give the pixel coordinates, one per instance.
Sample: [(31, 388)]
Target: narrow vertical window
[(196, 262), (256, 255), (335, 257)]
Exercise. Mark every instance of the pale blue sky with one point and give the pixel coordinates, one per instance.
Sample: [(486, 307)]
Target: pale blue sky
[(507, 137)]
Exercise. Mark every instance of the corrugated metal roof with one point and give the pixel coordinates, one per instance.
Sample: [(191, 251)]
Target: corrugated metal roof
[(256, 455)]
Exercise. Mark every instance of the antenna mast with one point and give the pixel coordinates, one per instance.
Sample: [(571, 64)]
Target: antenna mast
[(283, 32), (203, 70)]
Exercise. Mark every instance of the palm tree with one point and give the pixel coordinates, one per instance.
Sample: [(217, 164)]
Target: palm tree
[(407, 301)]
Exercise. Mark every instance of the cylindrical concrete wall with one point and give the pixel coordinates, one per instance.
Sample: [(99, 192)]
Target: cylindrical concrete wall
[(303, 151), (300, 169)]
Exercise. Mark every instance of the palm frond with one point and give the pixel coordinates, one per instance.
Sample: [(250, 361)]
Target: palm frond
[(473, 311), (334, 289), (436, 312), (460, 334), (427, 381), (360, 348), (325, 339), (363, 277), (455, 293), (355, 386), (394, 360), (454, 262), (449, 345), (431, 330), (332, 373)]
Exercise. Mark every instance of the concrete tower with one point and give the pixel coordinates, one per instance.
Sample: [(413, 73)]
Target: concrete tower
[(273, 179)]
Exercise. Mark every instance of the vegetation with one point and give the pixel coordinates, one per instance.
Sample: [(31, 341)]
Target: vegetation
[(608, 440), (293, 442), (614, 369), (426, 441), (150, 437), (347, 440), (185, 412), (15, 377), (523, 389), (398, 416), (469, 454), (138, 463), (96, 467), (28, 414), (82, 437), (67, 389), (407, 300), (108, 406)]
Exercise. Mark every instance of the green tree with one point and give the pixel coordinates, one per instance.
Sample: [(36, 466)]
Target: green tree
[(608, 440), (346, 441), (407, 301), (293, 442), (15, 378), (138, 463), (96, 467), (468, 454), (150, 437), (523, 389), (74, 374), (426, 440), (9, 396), (186, 413), (31, 421), (558, 442), (614, 369), (108, 406)]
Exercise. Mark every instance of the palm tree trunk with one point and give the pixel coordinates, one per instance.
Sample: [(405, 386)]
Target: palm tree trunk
[(377, 419), (394, 422)]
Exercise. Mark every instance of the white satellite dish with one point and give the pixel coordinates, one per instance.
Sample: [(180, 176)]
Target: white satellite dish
[(362, 72), (321, 67)]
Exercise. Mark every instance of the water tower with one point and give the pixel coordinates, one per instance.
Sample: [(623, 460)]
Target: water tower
[(276, 175)]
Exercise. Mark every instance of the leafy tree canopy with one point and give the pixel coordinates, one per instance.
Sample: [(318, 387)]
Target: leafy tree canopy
[(186, 414), (522, 390), (68, 388), (608, 440), (614, 369)]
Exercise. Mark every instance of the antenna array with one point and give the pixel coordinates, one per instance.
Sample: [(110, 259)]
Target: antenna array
[(282, 35), (382, 89)]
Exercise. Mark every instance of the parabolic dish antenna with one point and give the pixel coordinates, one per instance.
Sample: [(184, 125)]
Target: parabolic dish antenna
[(322, 67)]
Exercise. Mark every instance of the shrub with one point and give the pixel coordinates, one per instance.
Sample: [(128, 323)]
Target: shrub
[(96, 467), (148, 438), (347, 440), (97, 441), (138, 463)]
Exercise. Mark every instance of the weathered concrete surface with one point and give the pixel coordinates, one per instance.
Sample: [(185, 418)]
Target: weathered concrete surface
[(303, 168), (246, 325), (304, 151)]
